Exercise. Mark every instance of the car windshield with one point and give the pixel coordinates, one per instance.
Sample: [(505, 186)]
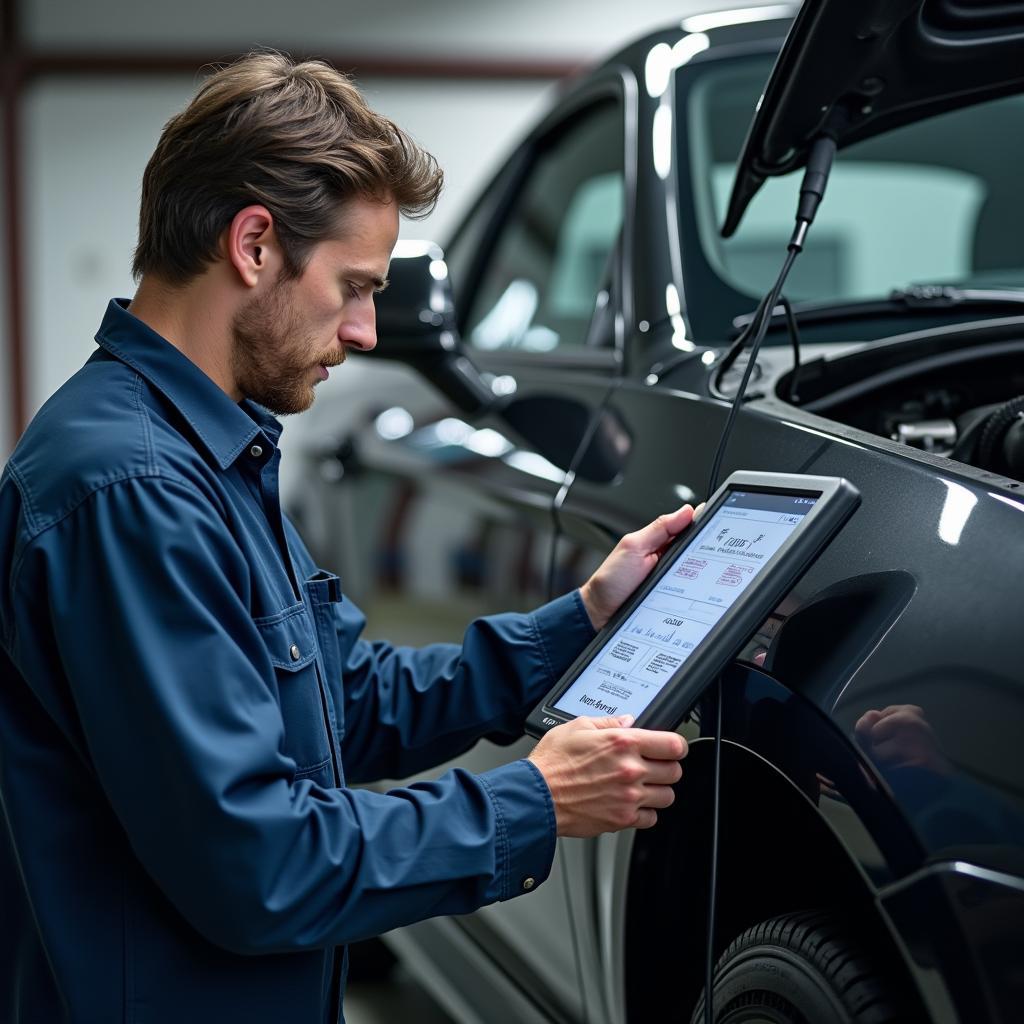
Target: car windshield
[(936, 202)]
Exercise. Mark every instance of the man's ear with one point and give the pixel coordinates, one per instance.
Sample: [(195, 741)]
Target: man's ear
[(252, 245)]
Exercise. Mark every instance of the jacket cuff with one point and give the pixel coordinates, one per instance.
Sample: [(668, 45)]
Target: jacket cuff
[(525, 832), (563, 629)]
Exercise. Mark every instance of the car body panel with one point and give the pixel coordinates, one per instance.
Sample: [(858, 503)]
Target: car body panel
[(981, 928), (906, 509)]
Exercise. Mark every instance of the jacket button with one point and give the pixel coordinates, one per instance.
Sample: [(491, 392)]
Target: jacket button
[(529, 883), (255, 451), (294, 652)]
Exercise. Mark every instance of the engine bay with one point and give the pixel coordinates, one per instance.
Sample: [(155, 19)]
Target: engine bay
[(956, 392)]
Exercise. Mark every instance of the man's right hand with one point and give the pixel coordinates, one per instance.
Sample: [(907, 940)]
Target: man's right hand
[(605, 777)]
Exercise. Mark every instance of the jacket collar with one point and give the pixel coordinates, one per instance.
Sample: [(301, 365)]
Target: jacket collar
[(224, 428)]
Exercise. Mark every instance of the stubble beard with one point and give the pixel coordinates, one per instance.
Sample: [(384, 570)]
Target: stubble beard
[(273, 354)]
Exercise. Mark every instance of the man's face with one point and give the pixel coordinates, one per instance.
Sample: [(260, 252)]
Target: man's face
[(284, 339)]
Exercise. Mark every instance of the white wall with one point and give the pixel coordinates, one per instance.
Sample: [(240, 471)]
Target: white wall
[(87, 141)]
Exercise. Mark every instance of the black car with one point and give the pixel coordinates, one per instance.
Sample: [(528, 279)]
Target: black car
[(564, 370)]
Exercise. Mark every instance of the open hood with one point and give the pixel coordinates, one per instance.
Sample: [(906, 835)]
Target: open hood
[(856, 68)]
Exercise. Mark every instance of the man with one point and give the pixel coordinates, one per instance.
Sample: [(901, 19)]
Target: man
[(183, 692)]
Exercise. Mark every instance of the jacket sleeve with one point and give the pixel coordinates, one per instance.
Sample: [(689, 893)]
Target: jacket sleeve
[(175, 709), (408, 709)]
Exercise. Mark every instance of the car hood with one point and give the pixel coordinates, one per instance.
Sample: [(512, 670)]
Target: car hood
[(853, 70)]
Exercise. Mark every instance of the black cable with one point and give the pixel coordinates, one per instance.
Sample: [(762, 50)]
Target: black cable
[(762, 321), (549, 582), (812, 189), (664, 366), (709, 958), (792, 395), (569, 478), (741, 341)]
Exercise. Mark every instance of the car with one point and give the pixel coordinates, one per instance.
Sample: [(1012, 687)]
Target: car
[(562, 370)]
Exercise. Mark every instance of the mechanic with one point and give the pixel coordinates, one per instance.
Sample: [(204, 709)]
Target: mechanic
[(182, 691)]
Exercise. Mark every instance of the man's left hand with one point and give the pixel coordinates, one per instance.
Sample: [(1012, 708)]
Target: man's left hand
[(629, 563)]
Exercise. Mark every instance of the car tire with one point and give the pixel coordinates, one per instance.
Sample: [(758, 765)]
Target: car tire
[(801, 968)]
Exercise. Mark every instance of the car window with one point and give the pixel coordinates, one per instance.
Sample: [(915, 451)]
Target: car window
[(551, 262), (932, 202)]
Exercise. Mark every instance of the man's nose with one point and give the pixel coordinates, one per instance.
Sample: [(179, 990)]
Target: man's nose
[(361, 332)]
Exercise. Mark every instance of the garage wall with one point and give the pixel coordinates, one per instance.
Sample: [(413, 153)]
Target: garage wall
[(87, 142)]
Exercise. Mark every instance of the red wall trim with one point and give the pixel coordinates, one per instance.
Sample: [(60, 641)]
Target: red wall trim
[(142, 63), (13, 260), (10, 129)]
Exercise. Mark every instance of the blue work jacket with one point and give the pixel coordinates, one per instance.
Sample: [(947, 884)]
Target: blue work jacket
[(182, 694)]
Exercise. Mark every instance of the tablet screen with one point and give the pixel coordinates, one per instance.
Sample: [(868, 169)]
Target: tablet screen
[(704, 580)]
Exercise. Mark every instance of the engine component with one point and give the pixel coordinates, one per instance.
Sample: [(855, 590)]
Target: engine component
[(937, 436), (992, 437), (1001, 446)]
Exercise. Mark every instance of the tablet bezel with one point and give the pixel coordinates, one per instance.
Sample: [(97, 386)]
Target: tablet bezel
[(836, 499)]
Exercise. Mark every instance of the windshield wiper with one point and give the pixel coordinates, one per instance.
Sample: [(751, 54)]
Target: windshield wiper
[(923, 297)]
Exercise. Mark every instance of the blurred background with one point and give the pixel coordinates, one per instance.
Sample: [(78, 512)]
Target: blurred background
[(88, 84)]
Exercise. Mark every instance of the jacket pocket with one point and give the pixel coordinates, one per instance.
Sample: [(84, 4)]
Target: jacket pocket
[(323, 595), (290, 641)]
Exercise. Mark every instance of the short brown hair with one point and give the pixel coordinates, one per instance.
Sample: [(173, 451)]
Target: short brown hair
[(297, 138)]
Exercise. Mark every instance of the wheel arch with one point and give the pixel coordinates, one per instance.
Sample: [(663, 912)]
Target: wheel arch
[(777, 853)]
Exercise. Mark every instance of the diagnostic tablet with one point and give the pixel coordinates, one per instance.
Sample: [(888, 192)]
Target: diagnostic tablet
[(716, 583)]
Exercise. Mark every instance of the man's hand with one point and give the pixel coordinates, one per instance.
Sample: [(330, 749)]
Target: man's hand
[(605, 777), (629, 563)]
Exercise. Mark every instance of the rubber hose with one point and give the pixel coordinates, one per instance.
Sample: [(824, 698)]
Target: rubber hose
[(989, 454)]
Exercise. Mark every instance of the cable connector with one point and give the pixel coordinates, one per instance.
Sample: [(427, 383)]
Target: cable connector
[(812, 188)]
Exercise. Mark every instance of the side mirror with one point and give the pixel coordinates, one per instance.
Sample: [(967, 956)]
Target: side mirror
[(416, 325)]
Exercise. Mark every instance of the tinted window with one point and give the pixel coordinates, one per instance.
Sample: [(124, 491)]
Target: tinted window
[(933, 202), (550, 264)]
